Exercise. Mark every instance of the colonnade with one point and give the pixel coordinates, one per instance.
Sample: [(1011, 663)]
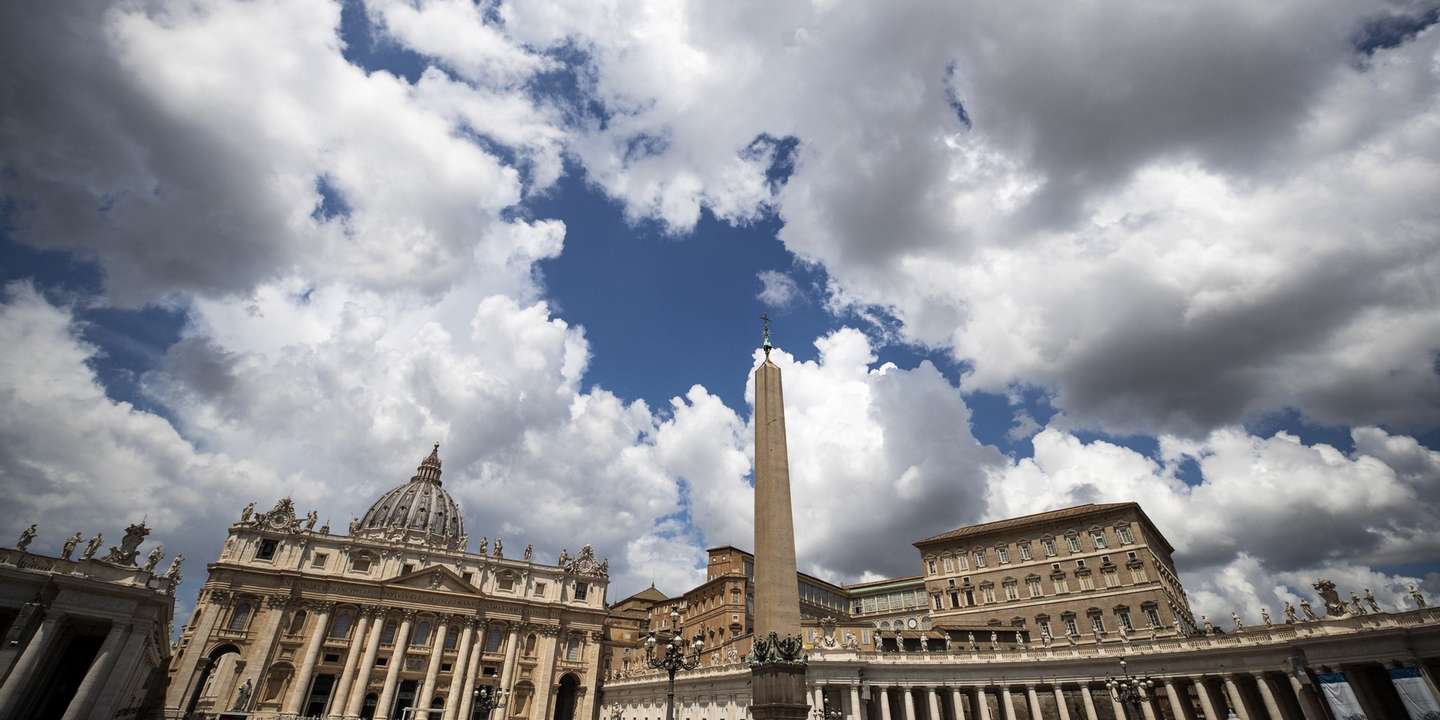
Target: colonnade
[(101, 688)]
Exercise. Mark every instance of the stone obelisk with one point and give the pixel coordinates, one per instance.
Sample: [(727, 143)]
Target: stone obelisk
[(777, 662)]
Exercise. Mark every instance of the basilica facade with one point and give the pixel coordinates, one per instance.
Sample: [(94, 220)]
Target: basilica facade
[(393, 618)]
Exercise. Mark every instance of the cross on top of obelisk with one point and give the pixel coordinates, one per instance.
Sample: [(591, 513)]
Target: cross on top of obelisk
[(765, 334)]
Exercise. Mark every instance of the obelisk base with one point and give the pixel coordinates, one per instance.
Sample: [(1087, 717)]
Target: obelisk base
[(777, 692)]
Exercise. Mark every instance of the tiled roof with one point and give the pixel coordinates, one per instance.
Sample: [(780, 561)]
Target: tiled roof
[(1023, 520)]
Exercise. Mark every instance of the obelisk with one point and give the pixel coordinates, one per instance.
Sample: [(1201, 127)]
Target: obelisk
[(777, 659), (777, 592)]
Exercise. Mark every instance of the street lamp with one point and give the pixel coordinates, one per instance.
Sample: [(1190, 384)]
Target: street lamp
[(673, 658), (1128, 690), (486, 699), (824, 712)]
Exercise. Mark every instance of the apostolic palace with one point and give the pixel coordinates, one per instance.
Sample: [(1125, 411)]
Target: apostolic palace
[(1075, 613)]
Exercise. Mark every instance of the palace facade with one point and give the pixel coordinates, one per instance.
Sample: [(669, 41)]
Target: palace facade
[(393, 619)]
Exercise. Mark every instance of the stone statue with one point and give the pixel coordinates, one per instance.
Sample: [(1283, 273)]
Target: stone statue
[(69, 546), (1290, 618), (311, 518), (529, 553), (1309, 611), (850, 642), (1334, 606), (26, 537), (1265, 617), (499, 548), (1179, 629), (129, 545), (242, 697), (1355, 604), (484, 546), (994, 640), (173, 572), (1235, 618), (971, 637), (247, 512), (93, 546), (154, 557), (1205, 622), (325, 529), (1370, 600), (354, 525), (564, 557), (1417, 596)]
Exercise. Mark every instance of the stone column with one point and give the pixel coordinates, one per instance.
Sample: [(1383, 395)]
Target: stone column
[(1060, 708), (545, 673), (1034, 703), (361, 681), (1237, 701), (341, 696), (392, 669), (855, 712), (1305, 694), (432, 671), (1267, 696), (1207, 703), (884, 702), (984, 703), (1116, 707), (1177, 707), (268, 632), (182, 684), (1090, 713), (459, 671), (98, 673), (301, 686), (512, 642), (932, 695), (472, 669), (957, 703), (1007, 702), (777, 596), (909, 703), (30, 659), (130, 669), (1147, 707)]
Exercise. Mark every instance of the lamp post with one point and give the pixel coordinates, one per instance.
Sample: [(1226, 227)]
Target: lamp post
[(487, 699), (673, 658), (1127, 689), (824, 712)]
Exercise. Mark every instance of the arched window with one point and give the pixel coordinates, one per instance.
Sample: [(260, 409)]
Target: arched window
[(506, 580), (572, 647), (275, 681), (360, 562), (240, 616), (340, 626), (422, 633), (530, 645), (494, 636), (297, 623)]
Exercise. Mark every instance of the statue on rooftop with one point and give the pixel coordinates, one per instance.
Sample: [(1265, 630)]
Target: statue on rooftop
[(1265, 617), (1355, 604), (26, 537), (173, 572), (1417, 596), (1370, 600), (1334, 606), (93, 546), (499, 548), (1235, 618), (1290, 618), (69, 546), (1205, 621), (154, 557), (247, 511), (529, 553), (1309, 611)]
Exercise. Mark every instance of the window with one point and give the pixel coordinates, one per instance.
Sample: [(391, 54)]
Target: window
[(1097, 623), (1087, 582), (930, 563), (240, 617), (1024, 549), (1048, 545), (1002, 554), (530, 645), (1124, 616), (1012, 592), (1071, 626), (539, 589), (572, 649), (581, 590), (267, 550), (989, 592), (962, 562), (422, 633), (1074, 541), (936, 598), (1153, 615), (954, 600), (506, 581), (1061, 585), (980, 558), (451, 638), (1132, 555), (1044, 624), (1104, 559), (950, 582), (1126, 537), (319, 560), (469, 577), (1034, 586), (387, 635), (360, 563), (1098, 537), (409, 568), (340, 626), (297, 623), (1080, 564), (949, 563), (493, 638), (1112, 579)]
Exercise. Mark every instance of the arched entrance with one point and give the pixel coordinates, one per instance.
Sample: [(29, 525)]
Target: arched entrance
[(204, 680), (566, 697)]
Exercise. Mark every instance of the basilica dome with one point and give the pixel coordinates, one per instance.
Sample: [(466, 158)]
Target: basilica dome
[(418, 511)]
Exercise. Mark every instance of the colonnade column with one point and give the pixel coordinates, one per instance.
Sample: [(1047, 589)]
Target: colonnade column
[(507, 671), (432, 671), (178, 695), (957, 703), (1147, 706), (1177, 708), (99, 671), (472, 667), (392, 668), (909, 702), (855, 712), (361, 681), (341, 695), (1235, 699), (459, 671), (1060, 708), (23, 670), (545, 672), (933, 698), (884, 702), (1034, 702), (1116, 707), (1307, 696), (120, 682), (1267, 696), (1090, 713), (984, 703), (301, 684), (1007, 702), (1207, 703)]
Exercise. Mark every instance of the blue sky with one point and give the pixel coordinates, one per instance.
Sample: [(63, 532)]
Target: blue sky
[(999, 282)]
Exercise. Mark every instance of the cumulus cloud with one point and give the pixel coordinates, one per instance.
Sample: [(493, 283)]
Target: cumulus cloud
[(777, 289)]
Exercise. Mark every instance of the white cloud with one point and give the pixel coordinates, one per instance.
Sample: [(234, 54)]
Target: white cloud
[(777, 290)]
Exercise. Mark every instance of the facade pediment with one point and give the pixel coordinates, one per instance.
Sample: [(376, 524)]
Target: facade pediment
[(435, 577)]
